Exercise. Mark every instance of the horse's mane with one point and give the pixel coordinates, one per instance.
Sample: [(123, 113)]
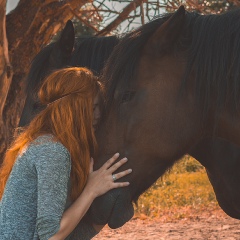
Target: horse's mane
[(39, 66), (92, 52), (214, 57), (212, 50)]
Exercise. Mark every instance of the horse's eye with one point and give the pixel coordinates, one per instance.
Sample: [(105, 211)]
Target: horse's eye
[(127, 96)]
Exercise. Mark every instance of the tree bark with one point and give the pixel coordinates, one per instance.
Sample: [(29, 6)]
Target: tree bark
[(5, 66)]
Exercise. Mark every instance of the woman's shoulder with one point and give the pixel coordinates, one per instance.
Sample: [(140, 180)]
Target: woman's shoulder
[(47, 144), (44, 139)]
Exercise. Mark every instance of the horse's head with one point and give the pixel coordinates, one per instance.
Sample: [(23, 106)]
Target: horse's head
[(146, 119), (90, 52), (168, 83), (56, 55)]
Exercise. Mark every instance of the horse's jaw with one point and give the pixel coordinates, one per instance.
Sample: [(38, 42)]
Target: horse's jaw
[(114, 208)]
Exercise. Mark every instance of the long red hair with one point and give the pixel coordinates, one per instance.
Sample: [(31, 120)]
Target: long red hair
[(68, 95)]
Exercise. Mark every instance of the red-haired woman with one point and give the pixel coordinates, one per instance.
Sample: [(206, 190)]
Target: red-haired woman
[(49, 164)]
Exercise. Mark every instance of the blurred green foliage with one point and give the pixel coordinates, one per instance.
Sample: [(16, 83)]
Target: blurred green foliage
[(185, 185)]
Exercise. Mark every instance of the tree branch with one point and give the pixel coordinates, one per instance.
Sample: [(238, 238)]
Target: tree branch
[(78, 16), (122, 16)]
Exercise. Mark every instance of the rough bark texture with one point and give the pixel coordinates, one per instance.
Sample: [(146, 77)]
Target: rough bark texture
[(5, 67)]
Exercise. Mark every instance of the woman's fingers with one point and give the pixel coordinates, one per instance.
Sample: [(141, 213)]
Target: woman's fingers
[(114, 167), (111, 161), (102, 180), (116, 176)]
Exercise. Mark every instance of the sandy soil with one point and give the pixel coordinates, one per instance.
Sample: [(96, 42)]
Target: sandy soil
[(207, 226)]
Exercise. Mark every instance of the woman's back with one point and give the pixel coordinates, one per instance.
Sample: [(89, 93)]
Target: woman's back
[(27, 205)]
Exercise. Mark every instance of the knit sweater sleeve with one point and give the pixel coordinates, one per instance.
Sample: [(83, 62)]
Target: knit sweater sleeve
[(53, 168)]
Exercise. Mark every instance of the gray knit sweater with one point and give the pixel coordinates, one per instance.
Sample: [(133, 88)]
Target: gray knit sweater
[(36, 194)]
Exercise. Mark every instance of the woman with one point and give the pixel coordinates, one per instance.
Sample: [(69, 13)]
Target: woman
[(48, 167)]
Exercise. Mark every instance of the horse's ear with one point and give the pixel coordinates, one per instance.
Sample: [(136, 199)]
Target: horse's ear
[(66, 40), (165, 36)]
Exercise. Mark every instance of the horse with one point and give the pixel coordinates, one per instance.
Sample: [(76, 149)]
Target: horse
[(172, 88), (89, 52), (216, 155)]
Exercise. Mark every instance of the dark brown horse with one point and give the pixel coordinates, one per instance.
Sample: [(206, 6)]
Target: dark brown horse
[(218, 156), (90, 52), (171, 84)]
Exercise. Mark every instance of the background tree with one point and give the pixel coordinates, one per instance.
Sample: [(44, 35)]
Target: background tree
[(32, 24)]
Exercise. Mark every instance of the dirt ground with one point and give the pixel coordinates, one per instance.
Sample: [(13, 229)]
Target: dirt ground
[(214, 225)]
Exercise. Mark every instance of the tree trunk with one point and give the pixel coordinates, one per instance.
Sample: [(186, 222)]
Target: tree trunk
[(5, 67)]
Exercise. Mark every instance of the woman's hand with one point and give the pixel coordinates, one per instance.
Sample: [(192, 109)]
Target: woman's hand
[(102, 180)]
